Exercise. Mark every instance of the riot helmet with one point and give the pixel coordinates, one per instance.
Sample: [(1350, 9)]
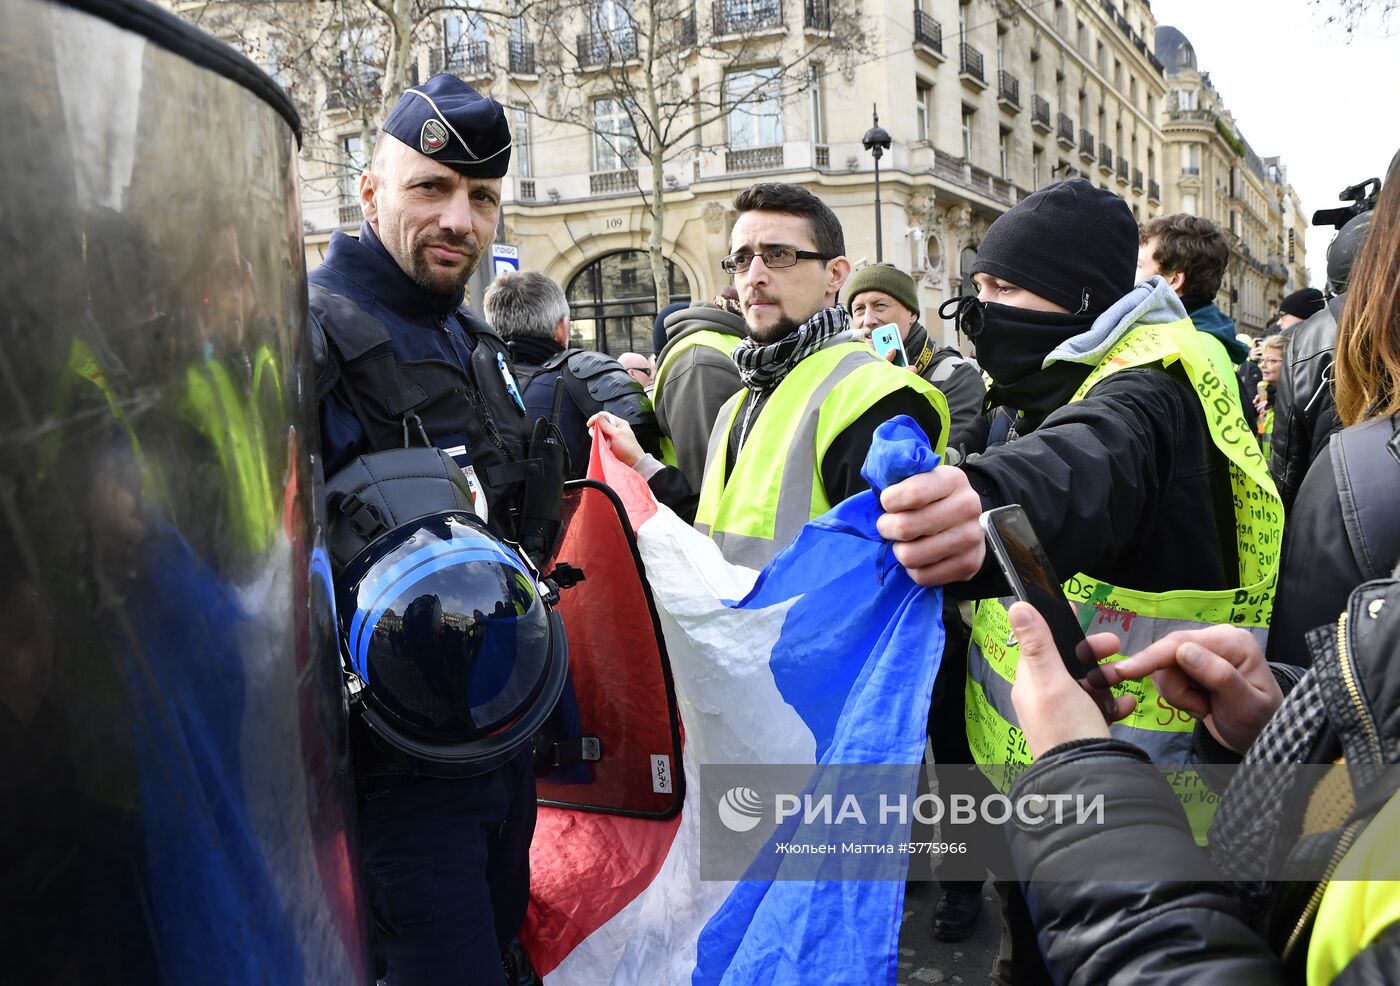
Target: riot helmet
[(453, 653), (1342, 251)]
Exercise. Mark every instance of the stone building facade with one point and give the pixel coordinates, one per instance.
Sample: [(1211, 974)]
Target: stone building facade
[(985, 101), (1215, 173)]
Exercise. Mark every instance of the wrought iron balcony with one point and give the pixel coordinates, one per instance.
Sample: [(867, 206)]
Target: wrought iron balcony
[(927, 31), (1008, 88), (1086, 145), (522, 58), (596, 48), (1154, 192), (1190, 171), (744, 16), (816, 15), (754, 158), (605, 182), (1065, 131), (1137, 180), (1122, 169), (970, 62), (1040, 112), (1106, 158), (471, 60)]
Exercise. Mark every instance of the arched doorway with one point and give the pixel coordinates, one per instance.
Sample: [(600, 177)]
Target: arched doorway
[(612, 302)]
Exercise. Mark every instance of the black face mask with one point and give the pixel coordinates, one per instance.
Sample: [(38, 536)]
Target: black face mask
[(1012, 344)]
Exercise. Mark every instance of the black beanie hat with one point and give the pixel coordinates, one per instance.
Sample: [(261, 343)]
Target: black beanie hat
[(1070, 243), (1303, 303)]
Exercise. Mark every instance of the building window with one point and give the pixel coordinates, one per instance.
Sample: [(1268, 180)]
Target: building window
[(612, 302), (755, 116), (1191, 159), (1004, 153), (1188, 204), (968, 122), (524, 158), (612, 18), (1037, 166), (614, 144), (277, 61), (352, 154), (966, 259), (923, 109), (1186, 99), (816, 103)]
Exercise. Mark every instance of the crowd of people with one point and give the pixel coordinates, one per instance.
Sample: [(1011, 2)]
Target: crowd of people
[(1109, 396)]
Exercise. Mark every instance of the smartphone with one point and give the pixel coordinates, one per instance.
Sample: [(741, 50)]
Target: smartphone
[(886, 339), (1027, 568)]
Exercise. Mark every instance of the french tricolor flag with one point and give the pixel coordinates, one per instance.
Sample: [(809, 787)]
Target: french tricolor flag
[(828, 656)]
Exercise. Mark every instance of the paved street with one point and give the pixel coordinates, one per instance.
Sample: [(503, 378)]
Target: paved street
[(924, 959)]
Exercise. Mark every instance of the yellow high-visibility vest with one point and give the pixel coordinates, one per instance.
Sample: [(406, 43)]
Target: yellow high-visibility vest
[(776, 487), (1139, 618)]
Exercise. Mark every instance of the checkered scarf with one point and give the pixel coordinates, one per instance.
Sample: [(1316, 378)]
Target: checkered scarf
[(762, 367)]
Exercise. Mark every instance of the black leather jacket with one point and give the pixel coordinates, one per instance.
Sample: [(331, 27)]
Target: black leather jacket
[(1305, 407), (1322, 559), (1186, 925)]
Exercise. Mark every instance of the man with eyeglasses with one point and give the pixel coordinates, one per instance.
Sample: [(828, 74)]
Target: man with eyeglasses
[(792, 442)]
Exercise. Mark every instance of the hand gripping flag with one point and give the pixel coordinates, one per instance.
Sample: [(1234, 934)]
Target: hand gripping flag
[(827, 657)]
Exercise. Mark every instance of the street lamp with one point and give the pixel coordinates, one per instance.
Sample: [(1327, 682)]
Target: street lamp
[(877, 141)]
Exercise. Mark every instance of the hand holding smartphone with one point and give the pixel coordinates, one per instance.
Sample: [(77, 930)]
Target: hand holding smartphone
[(886, 339), (1027, 568)]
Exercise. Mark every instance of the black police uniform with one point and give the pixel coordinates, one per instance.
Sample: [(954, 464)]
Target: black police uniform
[(445, 861), (592, 382)]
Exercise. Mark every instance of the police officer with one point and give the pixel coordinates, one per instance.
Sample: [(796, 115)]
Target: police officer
[(400, 363), (532, 314)]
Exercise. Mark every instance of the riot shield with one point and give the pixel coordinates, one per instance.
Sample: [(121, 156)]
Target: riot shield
[(172, 730), (620, 704)]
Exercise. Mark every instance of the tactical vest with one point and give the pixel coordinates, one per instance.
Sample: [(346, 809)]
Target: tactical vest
[(721, 342), (776, 485), (595, 382), (414, 402), (1139, 618), (1361, 900)]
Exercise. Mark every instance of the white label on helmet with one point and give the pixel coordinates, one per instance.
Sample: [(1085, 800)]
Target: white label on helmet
[(478, 494), (660, 773)]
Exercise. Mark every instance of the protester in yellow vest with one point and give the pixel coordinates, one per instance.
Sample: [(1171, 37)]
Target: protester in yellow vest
[(1121, 435), (791, 444), (694, 377)]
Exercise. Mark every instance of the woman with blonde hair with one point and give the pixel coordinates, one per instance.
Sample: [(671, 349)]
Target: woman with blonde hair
[(1271, 352)]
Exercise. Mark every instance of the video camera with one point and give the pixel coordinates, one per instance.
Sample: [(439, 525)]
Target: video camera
[(1362, 196)]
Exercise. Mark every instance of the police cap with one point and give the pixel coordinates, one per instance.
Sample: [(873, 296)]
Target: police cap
[(450, 122)]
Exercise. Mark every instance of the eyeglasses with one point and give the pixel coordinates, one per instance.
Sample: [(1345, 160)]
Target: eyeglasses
[(777, 257), (1271, 361)]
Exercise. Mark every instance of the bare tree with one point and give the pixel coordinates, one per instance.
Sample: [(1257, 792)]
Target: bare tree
[(649, 79), (343, 62), (1358, 15)]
